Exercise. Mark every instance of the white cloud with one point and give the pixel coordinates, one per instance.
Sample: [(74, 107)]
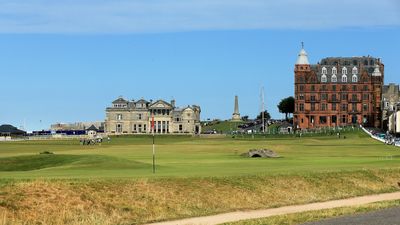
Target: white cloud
[(134, 16)]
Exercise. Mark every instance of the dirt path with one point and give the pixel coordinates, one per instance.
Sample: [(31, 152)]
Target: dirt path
[(254, 214)]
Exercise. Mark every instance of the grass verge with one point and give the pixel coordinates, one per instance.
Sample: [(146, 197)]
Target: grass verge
[(137, 201)]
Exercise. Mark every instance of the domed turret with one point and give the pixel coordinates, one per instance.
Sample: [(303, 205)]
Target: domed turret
[(302, 59), (377, 72)]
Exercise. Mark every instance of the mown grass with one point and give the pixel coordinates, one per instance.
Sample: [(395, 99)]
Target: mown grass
[(114, 184), (299, 218)]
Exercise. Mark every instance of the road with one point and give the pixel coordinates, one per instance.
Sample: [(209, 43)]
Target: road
[(383, 217)]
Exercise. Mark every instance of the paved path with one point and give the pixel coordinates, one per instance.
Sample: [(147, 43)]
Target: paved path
[(255, 214), (381, 217)]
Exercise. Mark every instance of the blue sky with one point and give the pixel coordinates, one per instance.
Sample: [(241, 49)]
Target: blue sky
[(65, 61)]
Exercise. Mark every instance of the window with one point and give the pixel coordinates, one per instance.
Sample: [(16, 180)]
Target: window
[(345, 96), (312, 106), (344, 88), (354, 97), (324, 96), (301, 97), (354, 71), (312, 98), (119, 116), (365, 96), (354, 107), (344, 119), (134, 127), (324, 70), (324, 79), (334, 106), (334, 88), (301, 107), (365, 88), (354, 79), (312, 88), (301, 88), (324, 107), (180, 127), (334, 71), (344, 71), (344, 79), (334, 78), (140, 116), (344, 107), (354, 87), (334, 119), (322, 119), (334, 97), (119, 128), (365, 107), (144, 127), (324, 87)]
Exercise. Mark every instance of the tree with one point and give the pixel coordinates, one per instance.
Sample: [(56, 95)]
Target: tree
[(267, 116), (245, 118), (286, 106)]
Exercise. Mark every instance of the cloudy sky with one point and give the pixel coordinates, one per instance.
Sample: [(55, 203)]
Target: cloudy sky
[(65, 60)]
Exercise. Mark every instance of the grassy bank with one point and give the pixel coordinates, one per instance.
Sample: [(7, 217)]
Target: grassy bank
[(136, 201)]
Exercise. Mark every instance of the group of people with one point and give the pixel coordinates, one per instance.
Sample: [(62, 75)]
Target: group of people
[(92, 141)]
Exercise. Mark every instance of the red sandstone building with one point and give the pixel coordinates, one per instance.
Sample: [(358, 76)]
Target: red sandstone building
[(338, 91)]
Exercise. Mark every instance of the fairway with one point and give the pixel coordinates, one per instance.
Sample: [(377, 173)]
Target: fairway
[(185, 156)]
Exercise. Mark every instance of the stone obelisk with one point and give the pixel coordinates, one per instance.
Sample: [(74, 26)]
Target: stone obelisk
[(236, 114)]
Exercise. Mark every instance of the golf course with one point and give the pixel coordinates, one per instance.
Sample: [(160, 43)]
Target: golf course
[(113, 182)]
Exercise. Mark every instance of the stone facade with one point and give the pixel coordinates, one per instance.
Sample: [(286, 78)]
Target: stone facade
[(135, 117), (338, 91), (390, 99)]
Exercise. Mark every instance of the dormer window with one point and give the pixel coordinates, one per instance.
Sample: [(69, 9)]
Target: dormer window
[(334, 78), (355, 70), (344, 79), (344, 71), (324, 79), (334, 70), (354, 79), (324, 71)]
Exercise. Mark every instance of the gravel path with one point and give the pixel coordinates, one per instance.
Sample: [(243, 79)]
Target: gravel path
[(255, 214)]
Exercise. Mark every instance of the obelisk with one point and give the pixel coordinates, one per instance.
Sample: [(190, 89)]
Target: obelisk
[(236, 114)]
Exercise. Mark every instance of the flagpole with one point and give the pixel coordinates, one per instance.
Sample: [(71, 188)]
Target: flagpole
[(154, 147)]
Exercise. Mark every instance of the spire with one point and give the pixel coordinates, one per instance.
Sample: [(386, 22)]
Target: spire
[(302, 59), (236, 114)]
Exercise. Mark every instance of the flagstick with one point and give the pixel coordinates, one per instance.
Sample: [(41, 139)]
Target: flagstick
[(154, 156)]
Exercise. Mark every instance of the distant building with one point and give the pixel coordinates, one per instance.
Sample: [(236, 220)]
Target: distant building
[(9, 130), (338, 91), (135, 117), (394, 120), (77, 126), (390, 101)]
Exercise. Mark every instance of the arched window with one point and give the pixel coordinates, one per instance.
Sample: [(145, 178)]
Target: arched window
[(324, 78), (324, 70), (354, 79), (334, 78), (344, 79), (334, 70), (344, 71), (355, 70)]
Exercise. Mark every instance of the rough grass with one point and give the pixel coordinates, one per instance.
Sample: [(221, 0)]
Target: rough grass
[(145, 200), (299, 218)]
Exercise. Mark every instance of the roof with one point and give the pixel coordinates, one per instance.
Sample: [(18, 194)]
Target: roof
[(9, 129), (93, 128), (120, 100), (302, 59), (157, 104)]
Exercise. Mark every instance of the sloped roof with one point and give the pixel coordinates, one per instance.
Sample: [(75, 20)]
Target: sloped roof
[(154, 105), (93, 127), (120, 100), (9, 129)]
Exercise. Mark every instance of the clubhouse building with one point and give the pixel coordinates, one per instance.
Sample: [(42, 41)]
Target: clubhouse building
[(338, 91), (135, 117)]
